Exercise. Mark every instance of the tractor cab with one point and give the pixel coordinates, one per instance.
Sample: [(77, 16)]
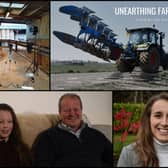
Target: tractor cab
[(144, 49), (143, 35)]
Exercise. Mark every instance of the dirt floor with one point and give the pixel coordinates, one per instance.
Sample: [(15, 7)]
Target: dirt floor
[(17, 74), (137, 80)]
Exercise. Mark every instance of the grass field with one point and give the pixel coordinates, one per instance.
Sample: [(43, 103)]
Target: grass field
[(85, 68)]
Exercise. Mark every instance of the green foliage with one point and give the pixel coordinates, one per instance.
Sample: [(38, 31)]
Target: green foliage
[(118, 145), (85, 68), (136, 109)]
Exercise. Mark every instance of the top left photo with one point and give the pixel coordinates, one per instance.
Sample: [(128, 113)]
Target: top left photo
[(24, 45)]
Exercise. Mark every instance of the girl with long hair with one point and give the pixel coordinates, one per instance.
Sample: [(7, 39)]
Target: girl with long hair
[(13, 151), (151, 146)]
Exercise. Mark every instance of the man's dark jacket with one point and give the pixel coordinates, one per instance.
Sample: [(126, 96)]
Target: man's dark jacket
[(58, 147)]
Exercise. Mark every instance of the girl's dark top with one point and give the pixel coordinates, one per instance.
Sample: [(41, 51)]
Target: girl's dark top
[(8, 154)]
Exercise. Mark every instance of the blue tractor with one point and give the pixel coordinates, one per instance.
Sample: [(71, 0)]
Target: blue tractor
[(144, 49)]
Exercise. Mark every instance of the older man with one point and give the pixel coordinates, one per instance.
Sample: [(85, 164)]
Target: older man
[(71, 142)]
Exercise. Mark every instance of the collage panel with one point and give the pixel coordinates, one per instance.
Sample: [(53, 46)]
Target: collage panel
[(140, 128), (24, 45), (56, 128), (110, 45), (99, 74)]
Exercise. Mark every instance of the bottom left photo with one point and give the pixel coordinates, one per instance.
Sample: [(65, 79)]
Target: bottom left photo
[(56, 128)]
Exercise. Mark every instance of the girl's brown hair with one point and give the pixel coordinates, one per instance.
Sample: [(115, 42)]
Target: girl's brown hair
[(144, 144), (15, 137)]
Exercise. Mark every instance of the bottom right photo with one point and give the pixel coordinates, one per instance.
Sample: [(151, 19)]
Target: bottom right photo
[(140, 129)]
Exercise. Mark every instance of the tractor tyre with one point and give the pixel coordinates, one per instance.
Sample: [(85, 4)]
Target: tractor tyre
[(164, 61), (123, 66), (150, 60)]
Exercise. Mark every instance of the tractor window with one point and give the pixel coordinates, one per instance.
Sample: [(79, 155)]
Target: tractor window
[(139, 37), (144, 38), (153, 37), (135, 38)]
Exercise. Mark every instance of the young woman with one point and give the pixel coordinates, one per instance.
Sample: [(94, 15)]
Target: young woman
[(13, 151), (151, 146)]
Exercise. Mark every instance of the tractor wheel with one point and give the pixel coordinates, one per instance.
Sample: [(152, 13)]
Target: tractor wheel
[(164, 61), (122, 66), (150, 60)]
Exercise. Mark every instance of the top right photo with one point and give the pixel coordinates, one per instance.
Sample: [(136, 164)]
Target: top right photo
[(109, 45)]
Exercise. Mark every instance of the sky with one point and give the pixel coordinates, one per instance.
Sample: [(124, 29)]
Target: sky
[(106, 11)]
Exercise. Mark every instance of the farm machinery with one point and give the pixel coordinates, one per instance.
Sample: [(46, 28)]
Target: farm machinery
[(144, 50), (144, 47)]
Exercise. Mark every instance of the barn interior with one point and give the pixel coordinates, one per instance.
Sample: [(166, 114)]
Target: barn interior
[(24, 45)]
